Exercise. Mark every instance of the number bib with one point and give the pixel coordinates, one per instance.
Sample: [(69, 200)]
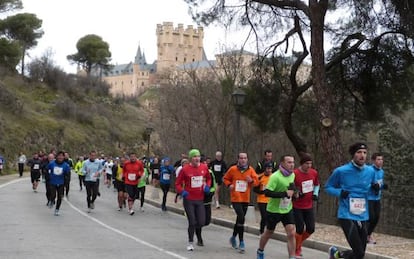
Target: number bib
[(1, 166), (166, 177), (284, 203), (241, 186), (156, 171), (217, 168), (57, 170), (307, 186), (36, 167), (132, 177), (196, 181), (357, 206)]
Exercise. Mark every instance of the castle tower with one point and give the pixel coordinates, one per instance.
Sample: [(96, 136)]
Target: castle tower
[(178, 46)]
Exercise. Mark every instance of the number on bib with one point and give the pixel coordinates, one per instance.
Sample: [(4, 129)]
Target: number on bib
[(196, 181), (132, 177), (166, 177), (241, 186), (307, 186), (357, 206), (57, 170), (284, 203)]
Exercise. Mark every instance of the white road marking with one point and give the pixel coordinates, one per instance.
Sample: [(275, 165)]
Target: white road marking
[(12, 182), (125, 234)]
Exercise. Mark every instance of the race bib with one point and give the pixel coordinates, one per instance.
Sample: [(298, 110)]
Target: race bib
[(156, 171), (241, 186), (357, 206), (166, 177), (284, 203), (217, 168), (196, 181), (1, 166), (57, 170), (132, 177), (307, 186), (36, 167)]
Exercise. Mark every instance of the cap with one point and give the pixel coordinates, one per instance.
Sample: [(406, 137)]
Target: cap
[(355, 147), (305, 158)]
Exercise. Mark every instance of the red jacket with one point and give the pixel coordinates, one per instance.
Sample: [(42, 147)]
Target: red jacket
[(193, 179), (133, 172)]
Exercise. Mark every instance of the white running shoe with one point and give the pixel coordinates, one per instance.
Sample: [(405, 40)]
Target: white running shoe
[(92, 205), (141, 209), (56, 212), (190, 247), (131, 212)]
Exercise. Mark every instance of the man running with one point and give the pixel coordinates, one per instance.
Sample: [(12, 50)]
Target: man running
[(167, 172), (35, 165), (119, 182), (58, 172), (262, 200), (307, 183), (91, 168), (192, 183), (374, 196), (69, 161), (132, 172), (240, 179), (78, 170), (219, 168), (281, 190), (141, 188), (350, 183), (268, 158), (21, 162), (45, 172)]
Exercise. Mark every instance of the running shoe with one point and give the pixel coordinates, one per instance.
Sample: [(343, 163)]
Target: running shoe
[(131, 212), (92, 205), (371, 240), (56, 212), (298, 253), (260, 254), (233, 242), (333, 252), (242, 247), (50, 204), (120, 208), (200, 243), (141, 209), (190, 247)]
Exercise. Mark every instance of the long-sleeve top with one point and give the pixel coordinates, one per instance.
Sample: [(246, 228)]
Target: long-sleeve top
[(193, 179), (57, 172), (236, 177), (132, 172), (307, 183), (166, 174), (355, 180), (379, 178), (92, 170)]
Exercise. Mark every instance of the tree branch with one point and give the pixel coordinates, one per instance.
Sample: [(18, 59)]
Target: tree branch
[(287, 4)]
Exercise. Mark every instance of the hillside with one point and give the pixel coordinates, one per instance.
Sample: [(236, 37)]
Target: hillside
[(67, 116)]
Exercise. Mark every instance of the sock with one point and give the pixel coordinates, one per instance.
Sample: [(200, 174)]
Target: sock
[(299, 238)]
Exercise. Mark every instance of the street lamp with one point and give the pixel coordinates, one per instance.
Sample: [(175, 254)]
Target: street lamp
[(237, 97), (148, 131)]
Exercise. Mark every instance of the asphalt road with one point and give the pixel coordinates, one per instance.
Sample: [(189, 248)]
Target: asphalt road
[(28, 229)]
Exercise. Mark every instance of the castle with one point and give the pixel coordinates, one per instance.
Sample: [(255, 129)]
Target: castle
[(175, 46)]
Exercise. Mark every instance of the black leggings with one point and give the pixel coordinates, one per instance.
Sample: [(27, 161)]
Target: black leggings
[(241, 209), (207, 208), (141, 195), (304, 217), (81, 180), (56, 190), (91, 192), (263, 216), (196, 218), (374, 215), (356, 235), (21, 168), (165, 188)]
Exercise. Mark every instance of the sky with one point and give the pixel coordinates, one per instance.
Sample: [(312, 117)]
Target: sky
[(123, 24)]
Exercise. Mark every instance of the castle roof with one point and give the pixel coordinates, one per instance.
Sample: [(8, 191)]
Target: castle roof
[(198, 64)]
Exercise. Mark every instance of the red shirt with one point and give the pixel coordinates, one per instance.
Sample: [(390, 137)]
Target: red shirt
[(305, 182), (193, 179), (133, 172)]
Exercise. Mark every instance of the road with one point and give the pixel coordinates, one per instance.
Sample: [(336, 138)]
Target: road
[(28, 229)]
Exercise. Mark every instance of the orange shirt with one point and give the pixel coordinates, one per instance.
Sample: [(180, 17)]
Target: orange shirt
[(263, 179), (241, 190)]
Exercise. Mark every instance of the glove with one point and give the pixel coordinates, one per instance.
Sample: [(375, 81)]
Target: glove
[(315, 197), (375, 187), (206, 188), (385, 186), (184, 194), (344, 194)]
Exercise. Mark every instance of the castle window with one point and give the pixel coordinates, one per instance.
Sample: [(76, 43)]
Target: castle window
[(185, 59), (131, 82), (142, 73), (142, 84), (176, 59), (193, 60)]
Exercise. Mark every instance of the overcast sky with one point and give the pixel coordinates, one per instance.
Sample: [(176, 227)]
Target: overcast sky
[(122, 23)]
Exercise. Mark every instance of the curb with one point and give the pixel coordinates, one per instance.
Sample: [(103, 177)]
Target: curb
[(313, 244)]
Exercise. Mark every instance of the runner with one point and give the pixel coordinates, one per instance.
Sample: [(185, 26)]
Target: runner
[(193, 181), (374, 196), (119, 183), (268, 158), (91, 168), (78, 170), (155, 172), (58, 172), (281, 190), (69, 161), (240, 179), (350, 183), (45, 172), (109, 163), (208, 196), (177, 173), (132, 171), (21, 162), (141, 188), (167, 171), (35, 165), (219, 168), (262, 200), (307, 182)]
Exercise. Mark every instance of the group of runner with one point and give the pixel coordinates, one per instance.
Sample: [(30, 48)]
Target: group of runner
[(284, 193)]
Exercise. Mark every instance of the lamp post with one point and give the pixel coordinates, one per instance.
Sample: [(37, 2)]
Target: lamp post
[(148, 131), (237, 97)]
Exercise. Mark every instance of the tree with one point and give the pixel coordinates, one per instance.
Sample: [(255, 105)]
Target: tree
[(92, 51), (266, 17), (10, 54), (24, 28), (10, 5)]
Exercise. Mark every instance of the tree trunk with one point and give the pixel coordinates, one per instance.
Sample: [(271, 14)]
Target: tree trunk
[(330, 138)]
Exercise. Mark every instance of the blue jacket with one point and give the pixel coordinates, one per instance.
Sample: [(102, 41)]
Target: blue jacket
[(58, 172), (379, 178), (357, 181), (166, 174)]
